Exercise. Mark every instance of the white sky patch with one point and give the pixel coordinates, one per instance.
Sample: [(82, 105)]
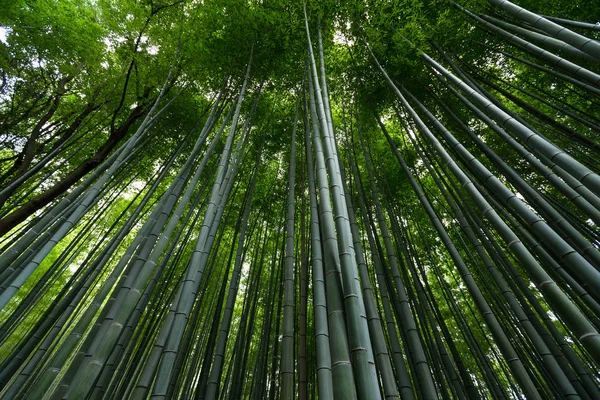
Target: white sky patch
[(110, 45), (245, 269), (153, 50), (111, 42), (38, 63), (134, 188), (4, 32), (341, 39), (137, 185)]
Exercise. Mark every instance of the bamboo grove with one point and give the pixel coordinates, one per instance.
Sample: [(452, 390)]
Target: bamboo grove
[(262, 200)]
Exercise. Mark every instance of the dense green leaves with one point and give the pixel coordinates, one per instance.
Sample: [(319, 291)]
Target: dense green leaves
[(434, 233)]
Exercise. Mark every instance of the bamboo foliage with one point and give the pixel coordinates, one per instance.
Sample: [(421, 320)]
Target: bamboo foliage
[(359, 226)]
